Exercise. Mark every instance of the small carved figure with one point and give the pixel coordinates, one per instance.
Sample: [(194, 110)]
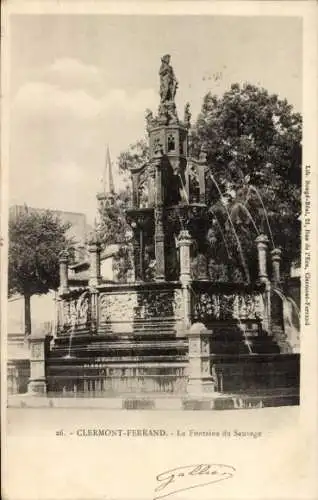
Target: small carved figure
[(82, 309), (168, 81), (162, 115), (149, 119), (171, 112), (187, 115), (203, 155), (157, 147)]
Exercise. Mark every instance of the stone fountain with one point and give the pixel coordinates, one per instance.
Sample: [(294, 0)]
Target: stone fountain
[(173, 330)]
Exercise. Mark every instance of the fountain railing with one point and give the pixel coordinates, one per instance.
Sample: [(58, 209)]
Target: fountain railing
[(131, 338), (127, 306), (226, 302), (87, 311)]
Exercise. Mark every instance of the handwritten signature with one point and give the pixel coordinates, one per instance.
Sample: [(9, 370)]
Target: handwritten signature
[(191, 476)]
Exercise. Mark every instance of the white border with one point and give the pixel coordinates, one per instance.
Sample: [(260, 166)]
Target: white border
[(308, 11)]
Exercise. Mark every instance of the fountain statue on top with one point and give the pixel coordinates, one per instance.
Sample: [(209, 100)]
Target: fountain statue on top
[(168, 81), (168, 88)]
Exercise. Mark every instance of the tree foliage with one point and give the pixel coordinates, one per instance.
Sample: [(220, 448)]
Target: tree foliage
[(135, 156), (253, 143), (35, 242), (113, 226)]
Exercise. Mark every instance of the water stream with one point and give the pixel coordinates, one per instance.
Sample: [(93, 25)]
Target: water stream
[(288, 299), (253, 188), (246, 210), (240, 324), (68, 355), (185, 194), (289, 324), (240, 249), (223, 235)]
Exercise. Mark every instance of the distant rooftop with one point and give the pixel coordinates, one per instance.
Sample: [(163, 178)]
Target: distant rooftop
[(79, 228)]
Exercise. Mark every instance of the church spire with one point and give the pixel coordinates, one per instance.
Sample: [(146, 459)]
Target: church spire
[(107, 182)]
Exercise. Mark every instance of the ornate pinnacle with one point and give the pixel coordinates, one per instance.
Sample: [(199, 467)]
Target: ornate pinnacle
[(203, 153), (94, 238), (64, 256)]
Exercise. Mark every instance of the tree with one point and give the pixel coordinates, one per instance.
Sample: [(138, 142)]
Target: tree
[(135, 156), (35, 242), (113, 229), (253, 144)]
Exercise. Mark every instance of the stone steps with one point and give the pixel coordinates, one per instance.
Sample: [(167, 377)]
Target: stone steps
[(128, 347), (230, 339), (130, 353), (142, 327), (118, 362)]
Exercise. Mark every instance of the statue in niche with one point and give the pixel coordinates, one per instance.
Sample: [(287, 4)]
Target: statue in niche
[(168, 81), (151, 174), (171, 143), (199, 267), (157, 147)]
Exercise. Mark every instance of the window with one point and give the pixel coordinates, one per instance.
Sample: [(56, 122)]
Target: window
[(171, 143)]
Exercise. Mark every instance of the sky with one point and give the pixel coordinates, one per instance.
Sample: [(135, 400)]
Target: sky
[(81, 82)]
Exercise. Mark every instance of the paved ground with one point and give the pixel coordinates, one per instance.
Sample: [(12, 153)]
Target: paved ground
[(148, 401)]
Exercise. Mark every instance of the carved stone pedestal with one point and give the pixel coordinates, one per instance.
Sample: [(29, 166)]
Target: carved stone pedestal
[(38, 346), (201, 381), (37, 387)]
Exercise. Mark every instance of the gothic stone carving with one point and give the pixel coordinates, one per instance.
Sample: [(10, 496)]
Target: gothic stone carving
[(178, 304), (36, 351), (117, 307), (194, 346), (155, 304), (205, 367), (205, 346), (207, 307), (75, 312)]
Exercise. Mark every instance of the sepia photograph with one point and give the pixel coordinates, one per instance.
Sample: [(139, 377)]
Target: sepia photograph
[(158, 257), (155, 208)]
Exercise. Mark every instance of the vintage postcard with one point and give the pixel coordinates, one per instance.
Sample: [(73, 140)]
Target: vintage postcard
[(158, 250)]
